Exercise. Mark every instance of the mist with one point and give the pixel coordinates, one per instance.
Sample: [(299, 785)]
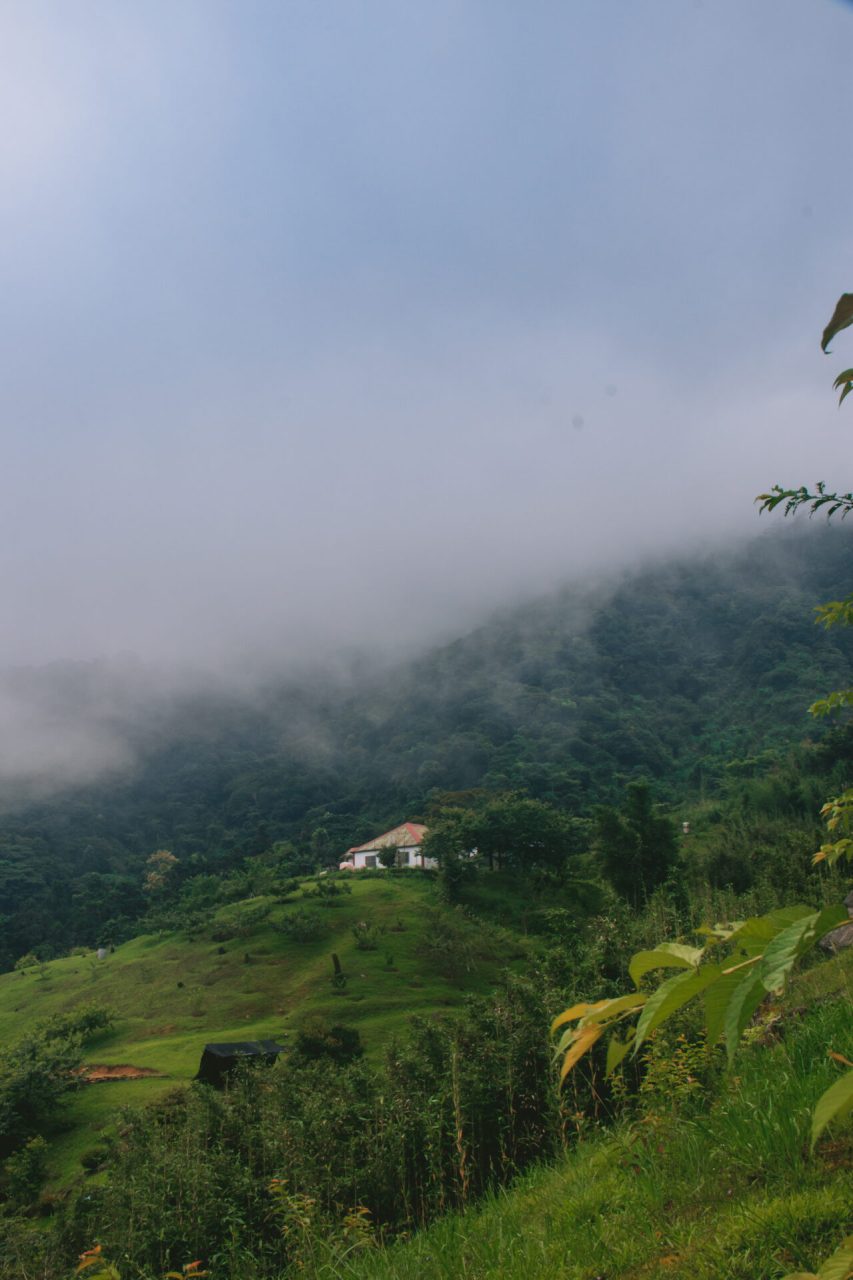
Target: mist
[(327, 332)]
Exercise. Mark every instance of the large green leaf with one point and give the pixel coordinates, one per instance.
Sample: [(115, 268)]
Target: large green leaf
[(791, 943), (672, 995), (576, 1011), (616, 1051), (610, 1008), (603, 1011), (754, 934), (584, 1040), (835, 1104), (842, 316), (717, 999), (840, 1265), (669, 955), (745, 999)]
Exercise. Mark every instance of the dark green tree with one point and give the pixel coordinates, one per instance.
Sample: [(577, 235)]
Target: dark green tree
[(638, 847)]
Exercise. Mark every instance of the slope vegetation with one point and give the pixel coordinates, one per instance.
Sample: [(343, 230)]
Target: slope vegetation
[(695, 1188), (241, 977)]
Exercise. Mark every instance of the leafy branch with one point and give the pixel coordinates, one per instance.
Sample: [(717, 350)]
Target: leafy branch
[(832, 701), (835, 613), (793, 499)]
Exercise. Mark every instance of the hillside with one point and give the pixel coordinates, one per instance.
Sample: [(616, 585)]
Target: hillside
[(241, 978), (724, 1189), (676, 673)]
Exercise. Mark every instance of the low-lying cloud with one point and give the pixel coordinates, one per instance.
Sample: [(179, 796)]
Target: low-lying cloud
[(326, 336)]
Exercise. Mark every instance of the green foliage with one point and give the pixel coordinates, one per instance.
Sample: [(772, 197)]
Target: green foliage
[(302, 925), (739, 966), (319, 1039), (38, 1072), (837, 1267), (637, 846), (836, 1104), (820, 499), (836, 612), (24, 1173), (299, 1165), (366, 935), (841, 318), (710, 1181), (328, 892)]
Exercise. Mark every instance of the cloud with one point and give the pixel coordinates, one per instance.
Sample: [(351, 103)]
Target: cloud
[(327, 329)]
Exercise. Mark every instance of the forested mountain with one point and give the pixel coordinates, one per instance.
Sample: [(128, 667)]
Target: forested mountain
[(672, 673)]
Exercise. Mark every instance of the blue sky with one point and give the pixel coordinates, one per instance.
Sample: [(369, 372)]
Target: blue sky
[(340, 324)]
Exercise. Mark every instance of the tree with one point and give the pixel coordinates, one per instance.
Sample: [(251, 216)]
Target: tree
[(521, 834), (161, 869), (637, 846), (388, 856)]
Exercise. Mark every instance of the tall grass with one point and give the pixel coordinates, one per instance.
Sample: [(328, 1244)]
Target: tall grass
[(720, 1192)]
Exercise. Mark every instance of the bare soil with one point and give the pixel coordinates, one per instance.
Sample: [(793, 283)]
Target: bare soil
[(94, 1073)]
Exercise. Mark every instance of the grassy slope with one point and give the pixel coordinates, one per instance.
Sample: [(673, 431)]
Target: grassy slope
[(164, 1026), (726, 1192)]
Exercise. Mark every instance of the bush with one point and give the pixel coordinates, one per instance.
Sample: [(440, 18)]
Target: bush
[(326, 891), (26, 1172), (366, 935), (82, 1022), (240, 921), (319, 1040), (302, 925)]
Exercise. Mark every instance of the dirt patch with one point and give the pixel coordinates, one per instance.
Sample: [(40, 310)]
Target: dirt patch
[(94, 1073)]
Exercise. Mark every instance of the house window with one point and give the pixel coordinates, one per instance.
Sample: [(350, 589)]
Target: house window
[(370, 859)]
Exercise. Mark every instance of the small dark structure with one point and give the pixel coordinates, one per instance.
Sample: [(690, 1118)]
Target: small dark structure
[(220, 1059)]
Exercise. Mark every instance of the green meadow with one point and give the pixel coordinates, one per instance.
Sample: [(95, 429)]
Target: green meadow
[(239, 977)]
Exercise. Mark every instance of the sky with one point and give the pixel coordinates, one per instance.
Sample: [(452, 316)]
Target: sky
[(336, 326)]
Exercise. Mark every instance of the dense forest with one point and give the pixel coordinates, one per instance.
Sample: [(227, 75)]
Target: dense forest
[(690, 674)]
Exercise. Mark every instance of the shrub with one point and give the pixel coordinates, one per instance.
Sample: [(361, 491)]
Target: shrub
[(302, 925), (240, 921), (319, 1040), (366, 935), (26, 1171), (327, 891)]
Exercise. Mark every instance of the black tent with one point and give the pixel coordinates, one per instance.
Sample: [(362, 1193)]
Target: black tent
[(218, 1059)]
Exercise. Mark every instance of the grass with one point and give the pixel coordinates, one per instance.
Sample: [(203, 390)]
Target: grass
[(172, 994), (725, 1191)]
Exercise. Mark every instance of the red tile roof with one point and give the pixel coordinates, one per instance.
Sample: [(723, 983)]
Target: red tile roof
[(408, 833)]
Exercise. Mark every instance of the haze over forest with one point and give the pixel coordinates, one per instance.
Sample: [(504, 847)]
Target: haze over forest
[(328, 331)]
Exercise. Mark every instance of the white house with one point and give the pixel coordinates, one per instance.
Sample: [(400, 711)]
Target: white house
[(405, 839)]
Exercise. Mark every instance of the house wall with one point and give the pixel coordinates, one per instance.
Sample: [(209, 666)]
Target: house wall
[(412, 853)]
